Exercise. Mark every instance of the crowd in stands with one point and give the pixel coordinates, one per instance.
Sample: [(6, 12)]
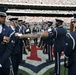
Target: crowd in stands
[(58, 2)]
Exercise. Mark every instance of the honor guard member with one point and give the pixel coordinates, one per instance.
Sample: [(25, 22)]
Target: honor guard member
[(6, 44), (59, 44), (26, 40), (70, 50), (45, 51), (16, 54), (58, 34), (49, 43), (21, 30), (35, 30), (28, 31), (41, 43)]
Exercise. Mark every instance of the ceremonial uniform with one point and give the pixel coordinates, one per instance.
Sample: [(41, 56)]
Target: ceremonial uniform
[(70, 50), (35, 30), (16, 55), (5, 52), (41, 43), (45, 51), (6, 44), (58, 34), (49, 43), (27, 31)]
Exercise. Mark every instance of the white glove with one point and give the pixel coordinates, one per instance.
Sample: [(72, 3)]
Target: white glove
[(0, 65), (49, 29), (27, 30), (6, 38), (19, 34), (66, 56)]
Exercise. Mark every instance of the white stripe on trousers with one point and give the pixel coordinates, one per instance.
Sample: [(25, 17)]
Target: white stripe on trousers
[(57, 63)]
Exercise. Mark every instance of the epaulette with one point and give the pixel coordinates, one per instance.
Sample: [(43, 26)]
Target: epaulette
[(70, 36)]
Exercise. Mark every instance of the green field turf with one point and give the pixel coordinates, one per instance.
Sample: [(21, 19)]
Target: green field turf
[(23, 72), (63, 71), (47, 72)]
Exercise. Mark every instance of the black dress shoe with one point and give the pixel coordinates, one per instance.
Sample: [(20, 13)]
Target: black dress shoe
[(22, 61), (49, 60), (45, 52)]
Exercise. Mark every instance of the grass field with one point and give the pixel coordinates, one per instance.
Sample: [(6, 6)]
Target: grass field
[(23, 72), (62, 72), (47, 72)]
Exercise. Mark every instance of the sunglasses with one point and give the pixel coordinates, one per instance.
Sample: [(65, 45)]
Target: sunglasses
[(2, 16)]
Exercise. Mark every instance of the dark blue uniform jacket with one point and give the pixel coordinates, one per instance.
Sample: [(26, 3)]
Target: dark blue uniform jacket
[(70, 50), (59, 38), (6, 48)]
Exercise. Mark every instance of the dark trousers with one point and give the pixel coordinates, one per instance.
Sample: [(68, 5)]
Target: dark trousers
[(4, 71), (45, 49), (72, 69), (57, 62), (35, 40), (49, 48), (16, 59)]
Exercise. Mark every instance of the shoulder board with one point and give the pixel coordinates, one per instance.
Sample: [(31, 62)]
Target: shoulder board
[(72, 39), (11, 34)]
